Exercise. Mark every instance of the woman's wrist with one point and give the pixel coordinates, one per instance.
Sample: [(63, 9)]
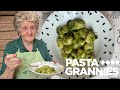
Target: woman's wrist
[(11, 70), (9, 73)]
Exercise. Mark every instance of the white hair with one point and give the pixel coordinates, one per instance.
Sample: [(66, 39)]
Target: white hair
[(26, 15)]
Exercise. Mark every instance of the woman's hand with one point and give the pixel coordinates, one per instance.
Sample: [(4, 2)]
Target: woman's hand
[(12, 61)]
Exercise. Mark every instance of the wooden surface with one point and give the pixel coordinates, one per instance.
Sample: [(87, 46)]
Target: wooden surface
[(6, 19), (3, 44), (8, 35), (6, 27), (0, 62), (0, 65), (1, 59), (7, 31), (8, 12), (1, 53)]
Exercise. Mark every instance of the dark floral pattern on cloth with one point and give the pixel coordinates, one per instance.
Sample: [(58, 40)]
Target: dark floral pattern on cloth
[(115, 14), (118, 39), (46, 14), (112, 76)]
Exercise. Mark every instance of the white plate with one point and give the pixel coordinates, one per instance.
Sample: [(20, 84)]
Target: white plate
[(59, 68), (104, 45)]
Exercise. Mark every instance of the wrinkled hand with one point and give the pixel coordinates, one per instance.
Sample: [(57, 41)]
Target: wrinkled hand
[(12, 61)]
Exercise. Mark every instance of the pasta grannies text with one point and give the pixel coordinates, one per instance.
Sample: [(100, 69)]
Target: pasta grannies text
[(88, 67)]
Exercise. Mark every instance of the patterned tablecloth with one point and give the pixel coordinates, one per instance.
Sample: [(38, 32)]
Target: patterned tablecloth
[(114, 19)]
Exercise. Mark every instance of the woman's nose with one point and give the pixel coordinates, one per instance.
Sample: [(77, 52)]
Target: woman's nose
[(29, 32)]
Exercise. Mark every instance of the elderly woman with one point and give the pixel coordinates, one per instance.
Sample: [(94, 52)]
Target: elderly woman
[(24, 50)]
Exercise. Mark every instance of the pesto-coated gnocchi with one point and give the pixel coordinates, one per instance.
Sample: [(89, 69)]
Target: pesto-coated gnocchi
[(46, 70), (75, 40)]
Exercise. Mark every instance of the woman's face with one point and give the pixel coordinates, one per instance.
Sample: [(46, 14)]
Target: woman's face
[(27, 30)]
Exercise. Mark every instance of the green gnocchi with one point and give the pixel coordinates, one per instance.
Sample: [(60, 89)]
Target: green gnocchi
[(75, 40), (46, 70)]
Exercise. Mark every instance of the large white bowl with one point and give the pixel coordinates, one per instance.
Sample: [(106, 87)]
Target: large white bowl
[(104, 45), (59, 68)]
